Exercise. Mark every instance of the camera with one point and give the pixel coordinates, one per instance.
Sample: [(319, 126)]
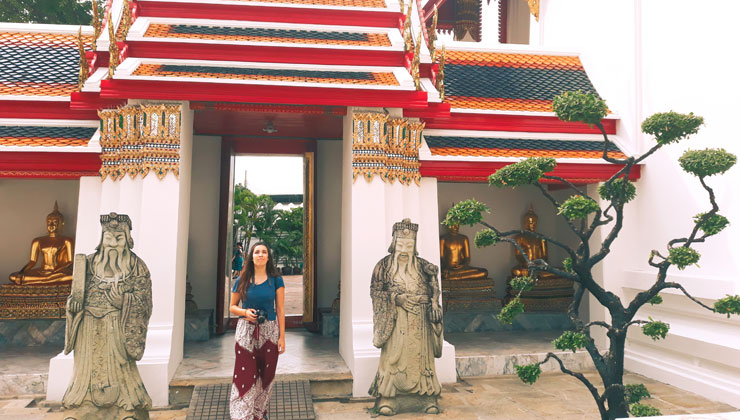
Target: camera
[(261, 315)]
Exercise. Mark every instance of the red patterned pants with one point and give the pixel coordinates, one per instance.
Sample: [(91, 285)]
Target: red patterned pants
[(256, 360)]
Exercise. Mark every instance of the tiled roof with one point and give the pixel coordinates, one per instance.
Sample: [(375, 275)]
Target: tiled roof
[(38, 64), (223, 33), (275, 75), (509, 81), (23, 135), (342, 3), (518, 148)]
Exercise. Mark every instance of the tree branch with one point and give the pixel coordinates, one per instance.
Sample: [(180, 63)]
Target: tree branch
[(673, 285), (607, 142), (580, 377), (566, 183), (557, 205)]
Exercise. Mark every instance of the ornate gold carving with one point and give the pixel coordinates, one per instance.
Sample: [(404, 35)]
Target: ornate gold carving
[(440, 85), (416, 62), (534, 9), (468, 17), (112, 47), (408, 38), (84, 68), (433, 35), (95, 23), (388, 148), (138, 139), (126, 19)]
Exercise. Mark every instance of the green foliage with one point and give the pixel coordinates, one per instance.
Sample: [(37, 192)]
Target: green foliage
[(571, 340), (522, 283), (467, 212), (72, 12), (578, 207), (577, 106), (528, 373), (655, 329), (670, 127), (633, 393), (526, 172), (619, 190), (728, 305), (485, 237), (713, 224), (683, 257), (512, 309), (568, 265), (707, 162), (656, 300), (644, 410)]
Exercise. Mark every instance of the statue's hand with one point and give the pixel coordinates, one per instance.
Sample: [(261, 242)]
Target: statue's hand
[(400, 300), (435, 314), (74, 306), (115, 297)]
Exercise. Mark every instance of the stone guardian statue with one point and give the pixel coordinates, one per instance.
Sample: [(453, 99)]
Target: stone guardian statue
[(107, 317), (407, 327)]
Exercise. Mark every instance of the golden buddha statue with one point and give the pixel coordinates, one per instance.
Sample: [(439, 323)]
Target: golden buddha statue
[(536, 249), (454, 249), (56, 253)]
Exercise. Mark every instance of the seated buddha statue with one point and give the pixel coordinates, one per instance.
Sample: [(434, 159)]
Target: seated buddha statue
[(55, 252), (455, 257), (536, 249)]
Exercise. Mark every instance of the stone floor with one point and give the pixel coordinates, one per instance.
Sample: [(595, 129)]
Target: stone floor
[(553, 397)]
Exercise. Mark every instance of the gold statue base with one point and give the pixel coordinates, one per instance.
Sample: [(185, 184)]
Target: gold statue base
[(33, 302), (469, 296), (550, 294)]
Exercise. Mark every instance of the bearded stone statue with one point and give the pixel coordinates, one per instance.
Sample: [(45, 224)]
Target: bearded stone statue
[(407, 326), (107, 317)]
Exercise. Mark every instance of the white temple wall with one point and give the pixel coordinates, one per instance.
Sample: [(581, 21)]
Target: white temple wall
[(369, 210), (655, 56), (159, 212), (508, 206), (24, 205), (328, 220), (204, 207)]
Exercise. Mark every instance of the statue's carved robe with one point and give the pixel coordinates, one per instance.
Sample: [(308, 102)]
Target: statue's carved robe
[(108, 341), (409, 340)]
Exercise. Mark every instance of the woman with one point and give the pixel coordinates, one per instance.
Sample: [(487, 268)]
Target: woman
[(260, 333)]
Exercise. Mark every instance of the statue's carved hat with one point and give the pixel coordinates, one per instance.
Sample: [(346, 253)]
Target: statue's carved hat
[(55, 214), (405, 229)]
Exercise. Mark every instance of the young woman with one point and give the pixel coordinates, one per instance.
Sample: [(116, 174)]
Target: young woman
[(260, 333)]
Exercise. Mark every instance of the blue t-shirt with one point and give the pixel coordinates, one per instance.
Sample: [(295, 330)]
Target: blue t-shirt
[(262, 296)]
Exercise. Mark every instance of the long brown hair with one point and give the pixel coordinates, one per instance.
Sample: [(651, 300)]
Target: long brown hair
[(246, 277)]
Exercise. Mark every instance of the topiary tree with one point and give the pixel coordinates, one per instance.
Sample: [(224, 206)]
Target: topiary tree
[(586, 217)]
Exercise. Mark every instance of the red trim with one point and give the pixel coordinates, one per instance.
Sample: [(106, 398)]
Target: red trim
[(349, 17), (503, 11), (93, 101), (503, 122), (271, 146), (263, 53), (57, 165), (224, 92), (428, 10), (432, 111), (48, 110), (98, 59), (479, 171), (289, 109)]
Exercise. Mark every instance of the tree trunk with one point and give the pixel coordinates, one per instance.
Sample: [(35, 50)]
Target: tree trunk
[(616, 404)]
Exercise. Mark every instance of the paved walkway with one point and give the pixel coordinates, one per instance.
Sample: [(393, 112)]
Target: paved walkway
[(553, 397)]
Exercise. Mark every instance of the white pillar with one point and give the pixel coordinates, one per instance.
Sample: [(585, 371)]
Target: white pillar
[(369, 210), (159, 212)]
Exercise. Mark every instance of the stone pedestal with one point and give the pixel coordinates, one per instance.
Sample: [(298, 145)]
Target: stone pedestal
[(469, 296), (33, 301), (550, 294)]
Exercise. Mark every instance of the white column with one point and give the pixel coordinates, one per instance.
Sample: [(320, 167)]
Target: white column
[(369, 210), (159, 211)]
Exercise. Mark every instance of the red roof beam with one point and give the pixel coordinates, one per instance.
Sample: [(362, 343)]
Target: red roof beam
[(244, 12), (59, 165), (48, 110)]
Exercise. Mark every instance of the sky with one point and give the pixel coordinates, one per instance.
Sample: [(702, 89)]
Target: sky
[(270, 174)]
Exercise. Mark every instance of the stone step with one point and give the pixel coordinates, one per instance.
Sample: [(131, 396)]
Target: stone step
[(494, 365)]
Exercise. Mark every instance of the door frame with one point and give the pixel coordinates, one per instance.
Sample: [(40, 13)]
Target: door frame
[(230, 147)]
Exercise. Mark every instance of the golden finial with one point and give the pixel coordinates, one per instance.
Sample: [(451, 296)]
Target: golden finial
[(95, 24), (125, 19), (407, 36), (433, 34), (112, 47), (441, 73), (400, 2), (416, 62), (84, 69)]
